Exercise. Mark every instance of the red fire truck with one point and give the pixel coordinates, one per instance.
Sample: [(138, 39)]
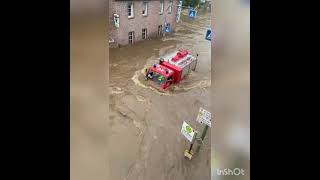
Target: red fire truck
[(172, 69)]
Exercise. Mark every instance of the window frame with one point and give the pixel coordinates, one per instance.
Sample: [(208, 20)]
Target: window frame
[(132, 10), (160, 33), (145, 6), (116, 19), (161, 7), (132, 37), (170, 6), (144, 34)]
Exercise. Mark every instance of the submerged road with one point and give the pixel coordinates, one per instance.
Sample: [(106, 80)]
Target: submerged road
[(144, 138)]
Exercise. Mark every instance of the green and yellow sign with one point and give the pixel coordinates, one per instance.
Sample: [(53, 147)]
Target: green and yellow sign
[(187, 131)]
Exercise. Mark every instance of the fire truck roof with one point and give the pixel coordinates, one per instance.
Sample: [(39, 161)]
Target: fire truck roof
[(182, 62)]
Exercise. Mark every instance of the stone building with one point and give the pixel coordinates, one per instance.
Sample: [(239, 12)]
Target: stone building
[(138, 20)]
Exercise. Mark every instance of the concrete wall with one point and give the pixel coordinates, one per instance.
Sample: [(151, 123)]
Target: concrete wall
[(138, 22)]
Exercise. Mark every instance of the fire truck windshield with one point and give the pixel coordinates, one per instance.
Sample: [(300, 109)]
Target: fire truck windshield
[(158, 78)]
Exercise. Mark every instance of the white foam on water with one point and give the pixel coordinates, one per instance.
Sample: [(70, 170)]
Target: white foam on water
[(137, 82)]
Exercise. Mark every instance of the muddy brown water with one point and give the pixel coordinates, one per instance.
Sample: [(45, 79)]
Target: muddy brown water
[(145, 123)]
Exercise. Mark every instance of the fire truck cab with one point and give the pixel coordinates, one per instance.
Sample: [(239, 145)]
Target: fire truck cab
[(172, 69)]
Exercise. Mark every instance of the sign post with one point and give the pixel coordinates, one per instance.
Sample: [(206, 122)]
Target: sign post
[(204, 117), (188, 152), (191, 135), (203, 135)]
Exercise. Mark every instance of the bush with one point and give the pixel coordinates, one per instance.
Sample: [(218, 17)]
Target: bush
[(191, 3)]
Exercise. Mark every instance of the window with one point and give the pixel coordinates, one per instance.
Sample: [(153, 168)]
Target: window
[(130, 10), (145, 9), (161, 6), (131, 37), (170, 6), (158, 78), (116, 19), (159, 30), (144, 33)]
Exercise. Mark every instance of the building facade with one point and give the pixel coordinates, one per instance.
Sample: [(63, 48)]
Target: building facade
[(138, 20)]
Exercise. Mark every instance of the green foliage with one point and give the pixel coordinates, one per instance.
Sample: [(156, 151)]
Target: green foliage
[(191, 3), (186, 2)]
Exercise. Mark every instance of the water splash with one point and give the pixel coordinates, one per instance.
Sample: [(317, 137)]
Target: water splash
[(202, 84), (116, 90)]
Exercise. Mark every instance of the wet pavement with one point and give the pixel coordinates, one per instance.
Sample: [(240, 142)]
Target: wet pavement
[(144, 139)]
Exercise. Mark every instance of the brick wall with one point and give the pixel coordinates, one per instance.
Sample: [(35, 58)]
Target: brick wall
[(138, 22)]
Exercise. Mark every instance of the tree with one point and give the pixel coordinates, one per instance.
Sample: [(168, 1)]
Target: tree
[(191, 3), (186, 3)]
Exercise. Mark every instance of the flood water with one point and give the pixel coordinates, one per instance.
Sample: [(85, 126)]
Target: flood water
[(145, 138)]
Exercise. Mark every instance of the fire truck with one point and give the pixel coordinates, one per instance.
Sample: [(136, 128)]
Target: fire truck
[(172, 69)]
